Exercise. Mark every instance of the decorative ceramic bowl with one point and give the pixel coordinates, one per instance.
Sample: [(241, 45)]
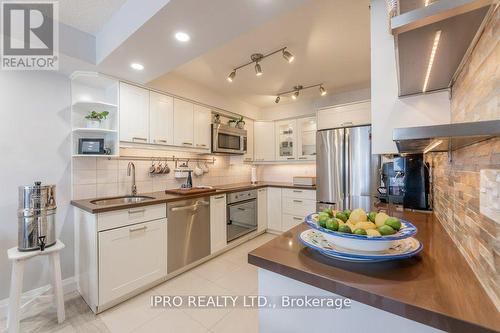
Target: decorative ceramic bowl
[(362, 242)]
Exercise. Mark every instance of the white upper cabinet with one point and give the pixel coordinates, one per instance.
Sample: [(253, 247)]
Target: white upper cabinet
[(248, 157), (286, 140), (134, 113), (263, 141), (161, 119), (202, 130), (306, 138), (183, 123), (353, 114)]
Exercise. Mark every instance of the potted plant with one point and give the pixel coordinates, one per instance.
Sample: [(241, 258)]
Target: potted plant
[(232, 122), (240, 123), (94, 118), (217, 118)]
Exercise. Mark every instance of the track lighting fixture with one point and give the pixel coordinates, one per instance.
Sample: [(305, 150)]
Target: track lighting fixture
[(322, 91), (258, 69), (288, 56), (256, 58), (296, 91), (231, 76)]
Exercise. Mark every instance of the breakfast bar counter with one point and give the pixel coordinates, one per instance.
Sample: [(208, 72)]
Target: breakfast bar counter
[(437, 288)]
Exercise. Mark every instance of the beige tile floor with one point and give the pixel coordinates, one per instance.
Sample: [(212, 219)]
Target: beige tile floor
[(227, 274)]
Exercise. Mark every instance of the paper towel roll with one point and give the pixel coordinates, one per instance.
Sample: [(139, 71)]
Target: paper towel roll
[(254, 175)]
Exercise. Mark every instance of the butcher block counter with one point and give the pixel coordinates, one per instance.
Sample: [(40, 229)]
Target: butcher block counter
[(437, 288)]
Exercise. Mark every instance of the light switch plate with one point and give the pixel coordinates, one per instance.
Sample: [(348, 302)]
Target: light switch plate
[(489, 194)]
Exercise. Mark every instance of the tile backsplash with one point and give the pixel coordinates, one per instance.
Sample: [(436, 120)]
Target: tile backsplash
[(284, 172), (101, 177), (458, 186)]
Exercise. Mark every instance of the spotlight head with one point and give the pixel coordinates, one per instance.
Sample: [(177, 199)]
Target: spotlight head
[(288, 56), (258, 69), (295, 95), (231, 76), (322, 91), (277, 100)]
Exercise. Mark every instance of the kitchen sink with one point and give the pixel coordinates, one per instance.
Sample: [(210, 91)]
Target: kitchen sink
[(121, 200)]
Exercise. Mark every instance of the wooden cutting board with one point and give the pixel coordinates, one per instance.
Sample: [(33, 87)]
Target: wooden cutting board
[(182, 191)]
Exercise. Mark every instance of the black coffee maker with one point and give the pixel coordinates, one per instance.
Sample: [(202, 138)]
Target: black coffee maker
[(405, 180)]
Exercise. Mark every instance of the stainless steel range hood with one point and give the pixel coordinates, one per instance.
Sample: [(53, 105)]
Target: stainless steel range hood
[(442, 138)]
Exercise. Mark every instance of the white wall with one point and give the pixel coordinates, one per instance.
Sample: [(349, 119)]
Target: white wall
[(309, 106), (35, 145), (389, 111), (180, 86)]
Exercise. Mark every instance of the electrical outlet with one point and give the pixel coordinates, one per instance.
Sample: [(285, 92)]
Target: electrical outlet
[(489, 194)]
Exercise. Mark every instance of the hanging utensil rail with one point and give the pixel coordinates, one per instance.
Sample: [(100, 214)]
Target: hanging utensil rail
[(167, 158)]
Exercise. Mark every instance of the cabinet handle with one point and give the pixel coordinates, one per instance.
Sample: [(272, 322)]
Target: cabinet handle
[(262, 190), (162, 141), (136, 211), (242, 209), (187, 143), (297, 201), (347, 123), (297, 191), (219, 197), (200, 145), (297, 218), (137, 229), (138, 138), (302, 158)]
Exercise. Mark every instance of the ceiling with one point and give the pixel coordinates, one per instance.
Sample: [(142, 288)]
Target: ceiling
[(88, 15), (330, 40)]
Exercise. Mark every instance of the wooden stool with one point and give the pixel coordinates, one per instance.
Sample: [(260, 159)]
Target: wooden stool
[(16, 283)]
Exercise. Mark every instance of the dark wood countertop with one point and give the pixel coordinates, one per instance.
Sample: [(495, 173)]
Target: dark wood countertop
[(436, 288), (162, 197)]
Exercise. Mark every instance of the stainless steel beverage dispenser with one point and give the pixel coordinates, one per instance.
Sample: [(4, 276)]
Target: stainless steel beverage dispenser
[(36, 217)]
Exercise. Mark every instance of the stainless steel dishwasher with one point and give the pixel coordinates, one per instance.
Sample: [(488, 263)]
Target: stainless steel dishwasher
[(188, 232)]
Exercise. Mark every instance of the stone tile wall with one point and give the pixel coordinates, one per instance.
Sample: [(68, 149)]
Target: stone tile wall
[(456, 185)]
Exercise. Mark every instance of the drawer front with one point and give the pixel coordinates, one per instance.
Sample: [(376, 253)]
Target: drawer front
[(290, 221), (130, 258), (123, 217), (299, 193), (299, 207)]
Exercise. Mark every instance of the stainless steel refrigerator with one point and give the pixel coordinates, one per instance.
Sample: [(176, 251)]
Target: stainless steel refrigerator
[(347, 172)]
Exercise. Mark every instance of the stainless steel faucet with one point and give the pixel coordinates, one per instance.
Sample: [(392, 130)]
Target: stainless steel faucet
[(131, 167)]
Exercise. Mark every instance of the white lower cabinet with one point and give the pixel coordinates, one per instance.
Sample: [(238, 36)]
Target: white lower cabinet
[(261, 209), (288, 207), (218, 234), (274, 208), (131, 257)]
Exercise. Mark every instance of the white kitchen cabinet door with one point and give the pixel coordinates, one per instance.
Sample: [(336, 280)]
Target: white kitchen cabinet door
[(202, 130), (274, 208), (346, 115), (134, 113), (218, 234), (286, 140), (248, 157), (264, 141), (290, 221), (131, 257), (261, 209), (306, 138), (183, 123), (161, 119)]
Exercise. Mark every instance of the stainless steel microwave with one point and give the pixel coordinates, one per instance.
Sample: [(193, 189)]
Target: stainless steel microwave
[(228, 140)]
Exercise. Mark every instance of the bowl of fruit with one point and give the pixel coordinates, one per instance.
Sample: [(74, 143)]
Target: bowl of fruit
[(360, 231)]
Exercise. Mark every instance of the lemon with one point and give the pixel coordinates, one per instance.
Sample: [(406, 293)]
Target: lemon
[(380, 219)]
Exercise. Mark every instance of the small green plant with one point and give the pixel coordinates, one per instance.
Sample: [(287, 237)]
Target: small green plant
[(240, 120), (97, 115)]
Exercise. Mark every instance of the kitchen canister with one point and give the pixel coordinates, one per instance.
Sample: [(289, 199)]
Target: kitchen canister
[(36, 217)]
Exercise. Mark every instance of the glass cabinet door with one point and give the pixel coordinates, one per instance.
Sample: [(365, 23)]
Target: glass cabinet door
[(306, 145), (286, 140)]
